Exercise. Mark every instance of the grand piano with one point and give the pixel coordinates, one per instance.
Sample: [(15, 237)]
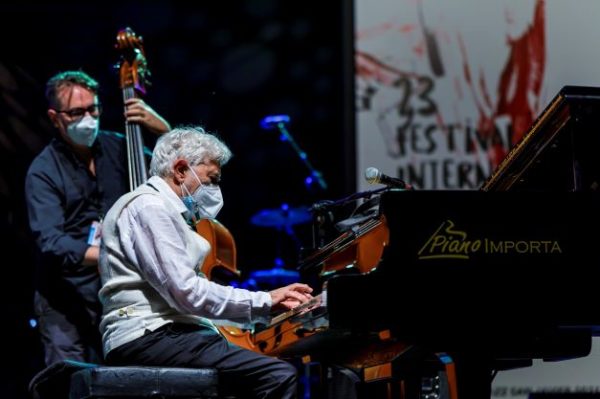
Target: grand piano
[(494, 277)]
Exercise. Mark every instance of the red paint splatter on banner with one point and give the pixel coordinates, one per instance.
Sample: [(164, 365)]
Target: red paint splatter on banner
[(484, 90), (369, 66), (383, 28), (407, 28), (466, 69), (522, 76), (419, 49), (520, 80), (485, 122)]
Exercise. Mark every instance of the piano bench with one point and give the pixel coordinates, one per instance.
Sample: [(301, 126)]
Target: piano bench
[(75, 380)]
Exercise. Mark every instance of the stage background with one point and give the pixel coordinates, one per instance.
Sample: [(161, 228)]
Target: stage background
[(427, 86)]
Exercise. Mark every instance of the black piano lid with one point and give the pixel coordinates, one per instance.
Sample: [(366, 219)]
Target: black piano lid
[(559, 152)]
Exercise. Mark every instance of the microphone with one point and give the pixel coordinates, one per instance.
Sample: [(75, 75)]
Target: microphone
[(272, 121), (374, 176)]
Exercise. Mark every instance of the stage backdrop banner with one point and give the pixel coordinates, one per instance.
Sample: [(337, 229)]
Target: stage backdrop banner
[(445, 88)]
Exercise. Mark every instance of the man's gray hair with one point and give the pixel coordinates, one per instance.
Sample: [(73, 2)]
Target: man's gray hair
[(191, 143)]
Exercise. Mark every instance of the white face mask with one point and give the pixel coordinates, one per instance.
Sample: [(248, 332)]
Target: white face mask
[(205, 202), (84, 131)]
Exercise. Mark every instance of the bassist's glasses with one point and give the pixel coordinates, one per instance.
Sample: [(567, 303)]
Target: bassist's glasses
[(95, 110)]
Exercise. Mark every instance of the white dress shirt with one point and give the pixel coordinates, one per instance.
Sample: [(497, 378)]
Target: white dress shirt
[(148, 248)]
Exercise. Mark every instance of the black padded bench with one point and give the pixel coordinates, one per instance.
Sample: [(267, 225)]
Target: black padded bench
[(76, 380)]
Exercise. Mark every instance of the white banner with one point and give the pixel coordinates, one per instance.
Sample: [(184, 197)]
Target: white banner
[(445, 88)]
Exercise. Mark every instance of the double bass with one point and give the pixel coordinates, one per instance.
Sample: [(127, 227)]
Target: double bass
[(133, 74), (222, 258)]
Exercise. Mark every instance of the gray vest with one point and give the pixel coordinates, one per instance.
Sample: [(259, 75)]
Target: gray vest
[(131, 306)]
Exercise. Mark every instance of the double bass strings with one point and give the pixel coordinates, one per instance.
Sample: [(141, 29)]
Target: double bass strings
[(135, 148)]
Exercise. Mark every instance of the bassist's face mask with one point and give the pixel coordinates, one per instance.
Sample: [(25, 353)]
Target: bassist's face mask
[(84, 131), (205, 202)]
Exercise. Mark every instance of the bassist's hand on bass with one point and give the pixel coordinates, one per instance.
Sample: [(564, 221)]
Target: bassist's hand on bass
[(137, 111)]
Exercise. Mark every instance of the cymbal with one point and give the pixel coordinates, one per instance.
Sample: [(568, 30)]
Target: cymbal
[(281, 217)]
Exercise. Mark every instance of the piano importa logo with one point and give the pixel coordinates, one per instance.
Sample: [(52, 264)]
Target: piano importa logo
[(449, 243)]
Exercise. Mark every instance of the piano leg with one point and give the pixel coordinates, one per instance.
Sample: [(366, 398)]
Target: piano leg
[(473, 376)]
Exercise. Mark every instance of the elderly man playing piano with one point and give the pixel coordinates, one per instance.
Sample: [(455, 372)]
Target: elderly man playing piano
[(157, 307)]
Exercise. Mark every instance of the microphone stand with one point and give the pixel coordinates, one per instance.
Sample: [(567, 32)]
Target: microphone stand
[(315, 175)]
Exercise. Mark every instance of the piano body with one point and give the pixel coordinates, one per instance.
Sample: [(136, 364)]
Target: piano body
[(503, 274)]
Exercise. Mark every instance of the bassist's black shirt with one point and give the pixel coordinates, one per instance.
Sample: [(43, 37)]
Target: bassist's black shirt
[(63, 199)]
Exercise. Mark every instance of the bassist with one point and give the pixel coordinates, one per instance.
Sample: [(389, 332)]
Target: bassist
[(69, 187)]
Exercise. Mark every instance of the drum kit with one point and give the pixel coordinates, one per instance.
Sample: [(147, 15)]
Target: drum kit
[(282, 219)]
